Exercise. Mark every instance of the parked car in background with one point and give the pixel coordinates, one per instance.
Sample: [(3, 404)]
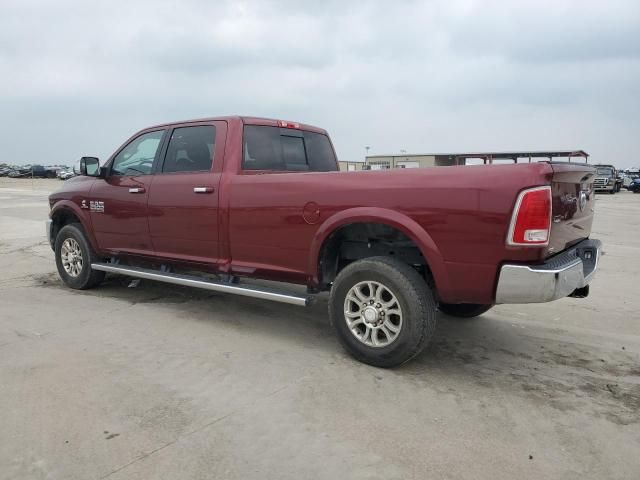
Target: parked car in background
[(36, 171), (626, 180), (631, 175), (66, 173), (20, 172), (33, 171), (635, 185)]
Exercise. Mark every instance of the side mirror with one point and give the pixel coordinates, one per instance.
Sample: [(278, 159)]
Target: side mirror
[(90, 166)]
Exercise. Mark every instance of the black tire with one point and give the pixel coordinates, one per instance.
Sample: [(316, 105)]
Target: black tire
[(87, 277), (463, 310), (412, 294)]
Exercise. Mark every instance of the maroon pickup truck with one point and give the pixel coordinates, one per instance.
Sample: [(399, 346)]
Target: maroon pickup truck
[(205, 202)]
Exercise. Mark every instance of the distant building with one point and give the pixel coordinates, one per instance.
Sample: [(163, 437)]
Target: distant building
[(382, 162), (350, 166), (427, 160)]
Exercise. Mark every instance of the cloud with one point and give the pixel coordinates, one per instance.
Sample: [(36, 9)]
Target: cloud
[(80, 77)]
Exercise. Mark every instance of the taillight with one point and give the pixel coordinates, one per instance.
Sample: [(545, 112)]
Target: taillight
[(531, 220)]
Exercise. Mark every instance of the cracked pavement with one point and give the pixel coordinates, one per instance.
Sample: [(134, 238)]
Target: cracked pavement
[(165, 382)]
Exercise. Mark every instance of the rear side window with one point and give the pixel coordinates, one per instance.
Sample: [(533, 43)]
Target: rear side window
[(281, 149), (190, 149)]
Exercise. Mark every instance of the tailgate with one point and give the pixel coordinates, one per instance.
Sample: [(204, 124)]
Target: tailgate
[(573, 201)]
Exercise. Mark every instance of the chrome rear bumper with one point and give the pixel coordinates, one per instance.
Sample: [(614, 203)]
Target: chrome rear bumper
[(557, 278)]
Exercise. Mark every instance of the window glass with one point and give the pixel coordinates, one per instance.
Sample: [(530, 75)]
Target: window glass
[(268, 148), (604, 171), (190, 149), (293, 153), (262, 150), (137, 157), (319, 152)]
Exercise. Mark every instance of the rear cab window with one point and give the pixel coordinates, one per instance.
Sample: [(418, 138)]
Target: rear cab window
[(286, 150)]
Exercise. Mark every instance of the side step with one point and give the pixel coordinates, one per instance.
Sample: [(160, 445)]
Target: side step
[(189, 281)]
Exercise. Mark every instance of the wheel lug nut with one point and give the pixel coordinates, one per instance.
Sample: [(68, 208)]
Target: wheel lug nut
[(378, 305), (370, 302)]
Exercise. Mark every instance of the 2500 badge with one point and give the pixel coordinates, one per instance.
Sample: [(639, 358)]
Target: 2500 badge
[(94, 205)]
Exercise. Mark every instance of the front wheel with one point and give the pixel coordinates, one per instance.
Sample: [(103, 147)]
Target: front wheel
[(463, 310), (74, 257), (382, 310)]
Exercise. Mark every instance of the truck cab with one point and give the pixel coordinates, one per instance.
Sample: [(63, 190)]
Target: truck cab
[(606, 179)]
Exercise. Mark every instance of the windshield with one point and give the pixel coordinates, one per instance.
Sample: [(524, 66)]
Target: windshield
[(605, 171)]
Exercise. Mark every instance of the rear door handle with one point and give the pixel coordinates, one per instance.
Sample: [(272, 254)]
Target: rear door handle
[(137, 190), (203, 189)]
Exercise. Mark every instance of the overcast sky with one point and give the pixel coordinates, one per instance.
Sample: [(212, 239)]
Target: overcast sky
[(78, 77)]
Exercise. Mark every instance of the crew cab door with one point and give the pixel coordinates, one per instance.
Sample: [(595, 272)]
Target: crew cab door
[(184, 198), (118, 203)]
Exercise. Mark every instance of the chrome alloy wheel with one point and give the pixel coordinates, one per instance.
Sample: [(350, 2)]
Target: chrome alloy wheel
[(373, 314), (71, 256)]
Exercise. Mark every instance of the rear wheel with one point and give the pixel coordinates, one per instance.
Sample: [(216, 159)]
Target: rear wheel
[(463, 310), (74, 257), (382, 310)]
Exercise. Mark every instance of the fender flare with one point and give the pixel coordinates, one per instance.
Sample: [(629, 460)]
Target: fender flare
[(85, 221), (392, 218)]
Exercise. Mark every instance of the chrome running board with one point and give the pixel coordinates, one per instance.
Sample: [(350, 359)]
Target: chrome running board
[(189, 281)]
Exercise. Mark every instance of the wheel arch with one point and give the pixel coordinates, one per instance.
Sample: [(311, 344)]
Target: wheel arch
[(66, 212), (391, 218)]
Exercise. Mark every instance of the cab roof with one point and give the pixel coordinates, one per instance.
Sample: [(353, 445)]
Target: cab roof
[(246, 120)]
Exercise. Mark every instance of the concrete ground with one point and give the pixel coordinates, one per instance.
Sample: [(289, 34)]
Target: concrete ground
[(159, 382)]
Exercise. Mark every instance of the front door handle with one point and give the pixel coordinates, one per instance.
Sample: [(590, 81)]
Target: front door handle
[(203, 189), (137, 190)]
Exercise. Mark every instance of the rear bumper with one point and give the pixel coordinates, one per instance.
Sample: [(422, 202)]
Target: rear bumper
[(557, 278)]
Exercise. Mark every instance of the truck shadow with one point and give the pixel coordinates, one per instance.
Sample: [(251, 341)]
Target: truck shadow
[(487, 351)]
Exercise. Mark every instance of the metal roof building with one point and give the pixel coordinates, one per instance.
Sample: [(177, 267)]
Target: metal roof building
[(377, 162)]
